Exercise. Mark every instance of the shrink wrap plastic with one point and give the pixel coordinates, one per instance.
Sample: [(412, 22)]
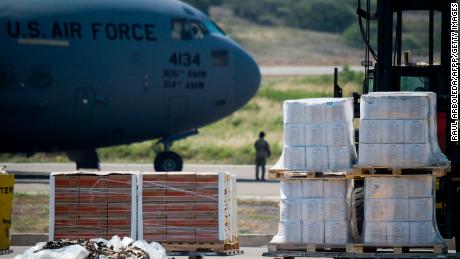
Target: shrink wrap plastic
[(400, 210), (398, 129), (161, 207), (318, 135), (92, 204), (314, 211), (188, 207)]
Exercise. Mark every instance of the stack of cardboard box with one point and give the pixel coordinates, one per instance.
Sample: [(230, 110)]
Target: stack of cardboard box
[(152, 203), (91, 205), (398, 129), (187, 207), (314, 211), (400, 210), (318, 135)]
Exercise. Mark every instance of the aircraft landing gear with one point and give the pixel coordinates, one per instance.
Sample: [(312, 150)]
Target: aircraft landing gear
[(166, 160), (84, 158)]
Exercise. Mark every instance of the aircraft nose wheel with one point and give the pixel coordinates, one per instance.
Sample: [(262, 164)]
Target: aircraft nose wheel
[(168, 162)]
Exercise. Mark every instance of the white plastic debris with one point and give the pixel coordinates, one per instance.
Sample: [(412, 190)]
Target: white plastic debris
[(99, 240), (126, 241), (115, 243), (115, 247), (155, 250), (68, 252)]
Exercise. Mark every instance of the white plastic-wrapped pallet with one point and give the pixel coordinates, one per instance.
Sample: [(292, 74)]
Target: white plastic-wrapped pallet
[(318, 135), (399, 210), (314, 211), (398, 129)]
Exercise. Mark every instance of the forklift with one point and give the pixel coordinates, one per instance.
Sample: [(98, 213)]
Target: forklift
[(388, 67)]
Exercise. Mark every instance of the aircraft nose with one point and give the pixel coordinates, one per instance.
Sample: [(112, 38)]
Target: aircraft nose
[(247, 77)]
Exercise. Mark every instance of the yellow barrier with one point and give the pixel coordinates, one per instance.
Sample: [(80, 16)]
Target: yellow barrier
[(6, 203)]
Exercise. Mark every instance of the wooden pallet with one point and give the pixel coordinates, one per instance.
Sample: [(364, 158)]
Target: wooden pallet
[(361, 171), (203, 254), (310, 248), (303, 254), (286, 174), (397, 249), (354, 251), (200, 247)]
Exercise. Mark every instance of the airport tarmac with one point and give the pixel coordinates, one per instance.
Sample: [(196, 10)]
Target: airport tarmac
[(249, 252), (303, 70), (33, 177)]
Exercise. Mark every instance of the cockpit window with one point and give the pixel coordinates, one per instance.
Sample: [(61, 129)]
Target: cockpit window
[(198, 29), (182, 29), (214, 28)]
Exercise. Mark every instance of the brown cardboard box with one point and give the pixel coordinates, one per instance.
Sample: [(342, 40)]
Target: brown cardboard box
[(119, 210), (207, 195), (66, 210), (206, 222), (154, 194), (175, 234), (92, 224), (119, 195), (189, 208), (206, 234), (180, 194), (93, 181), (154, 180), (119, 181), (174, 207), (67, 181), (155, 223), (92, 204), (206, 207), (92, 210), (92, 195), (154, 208), (119, 224), (176, 180), (180, 222), (66, 222), (67, 195)]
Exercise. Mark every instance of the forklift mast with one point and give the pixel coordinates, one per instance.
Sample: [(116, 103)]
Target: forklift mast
[(394, 71)]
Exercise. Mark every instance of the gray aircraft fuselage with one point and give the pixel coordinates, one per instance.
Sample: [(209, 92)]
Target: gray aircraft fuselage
[(93, 73)]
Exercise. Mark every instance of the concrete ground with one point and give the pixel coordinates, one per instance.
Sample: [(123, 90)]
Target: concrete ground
[(249, 252), (33, 177)]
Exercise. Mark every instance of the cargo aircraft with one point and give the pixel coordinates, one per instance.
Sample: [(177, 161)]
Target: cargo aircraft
[(79, 75)]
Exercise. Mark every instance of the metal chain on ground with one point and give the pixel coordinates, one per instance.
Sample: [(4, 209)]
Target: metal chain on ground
[(97, 249)]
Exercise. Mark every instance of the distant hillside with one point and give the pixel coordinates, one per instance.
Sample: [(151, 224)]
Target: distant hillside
[(282, 45), (310, 32)]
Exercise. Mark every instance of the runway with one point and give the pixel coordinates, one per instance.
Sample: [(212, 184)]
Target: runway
[(34, 177), (303, 70)]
